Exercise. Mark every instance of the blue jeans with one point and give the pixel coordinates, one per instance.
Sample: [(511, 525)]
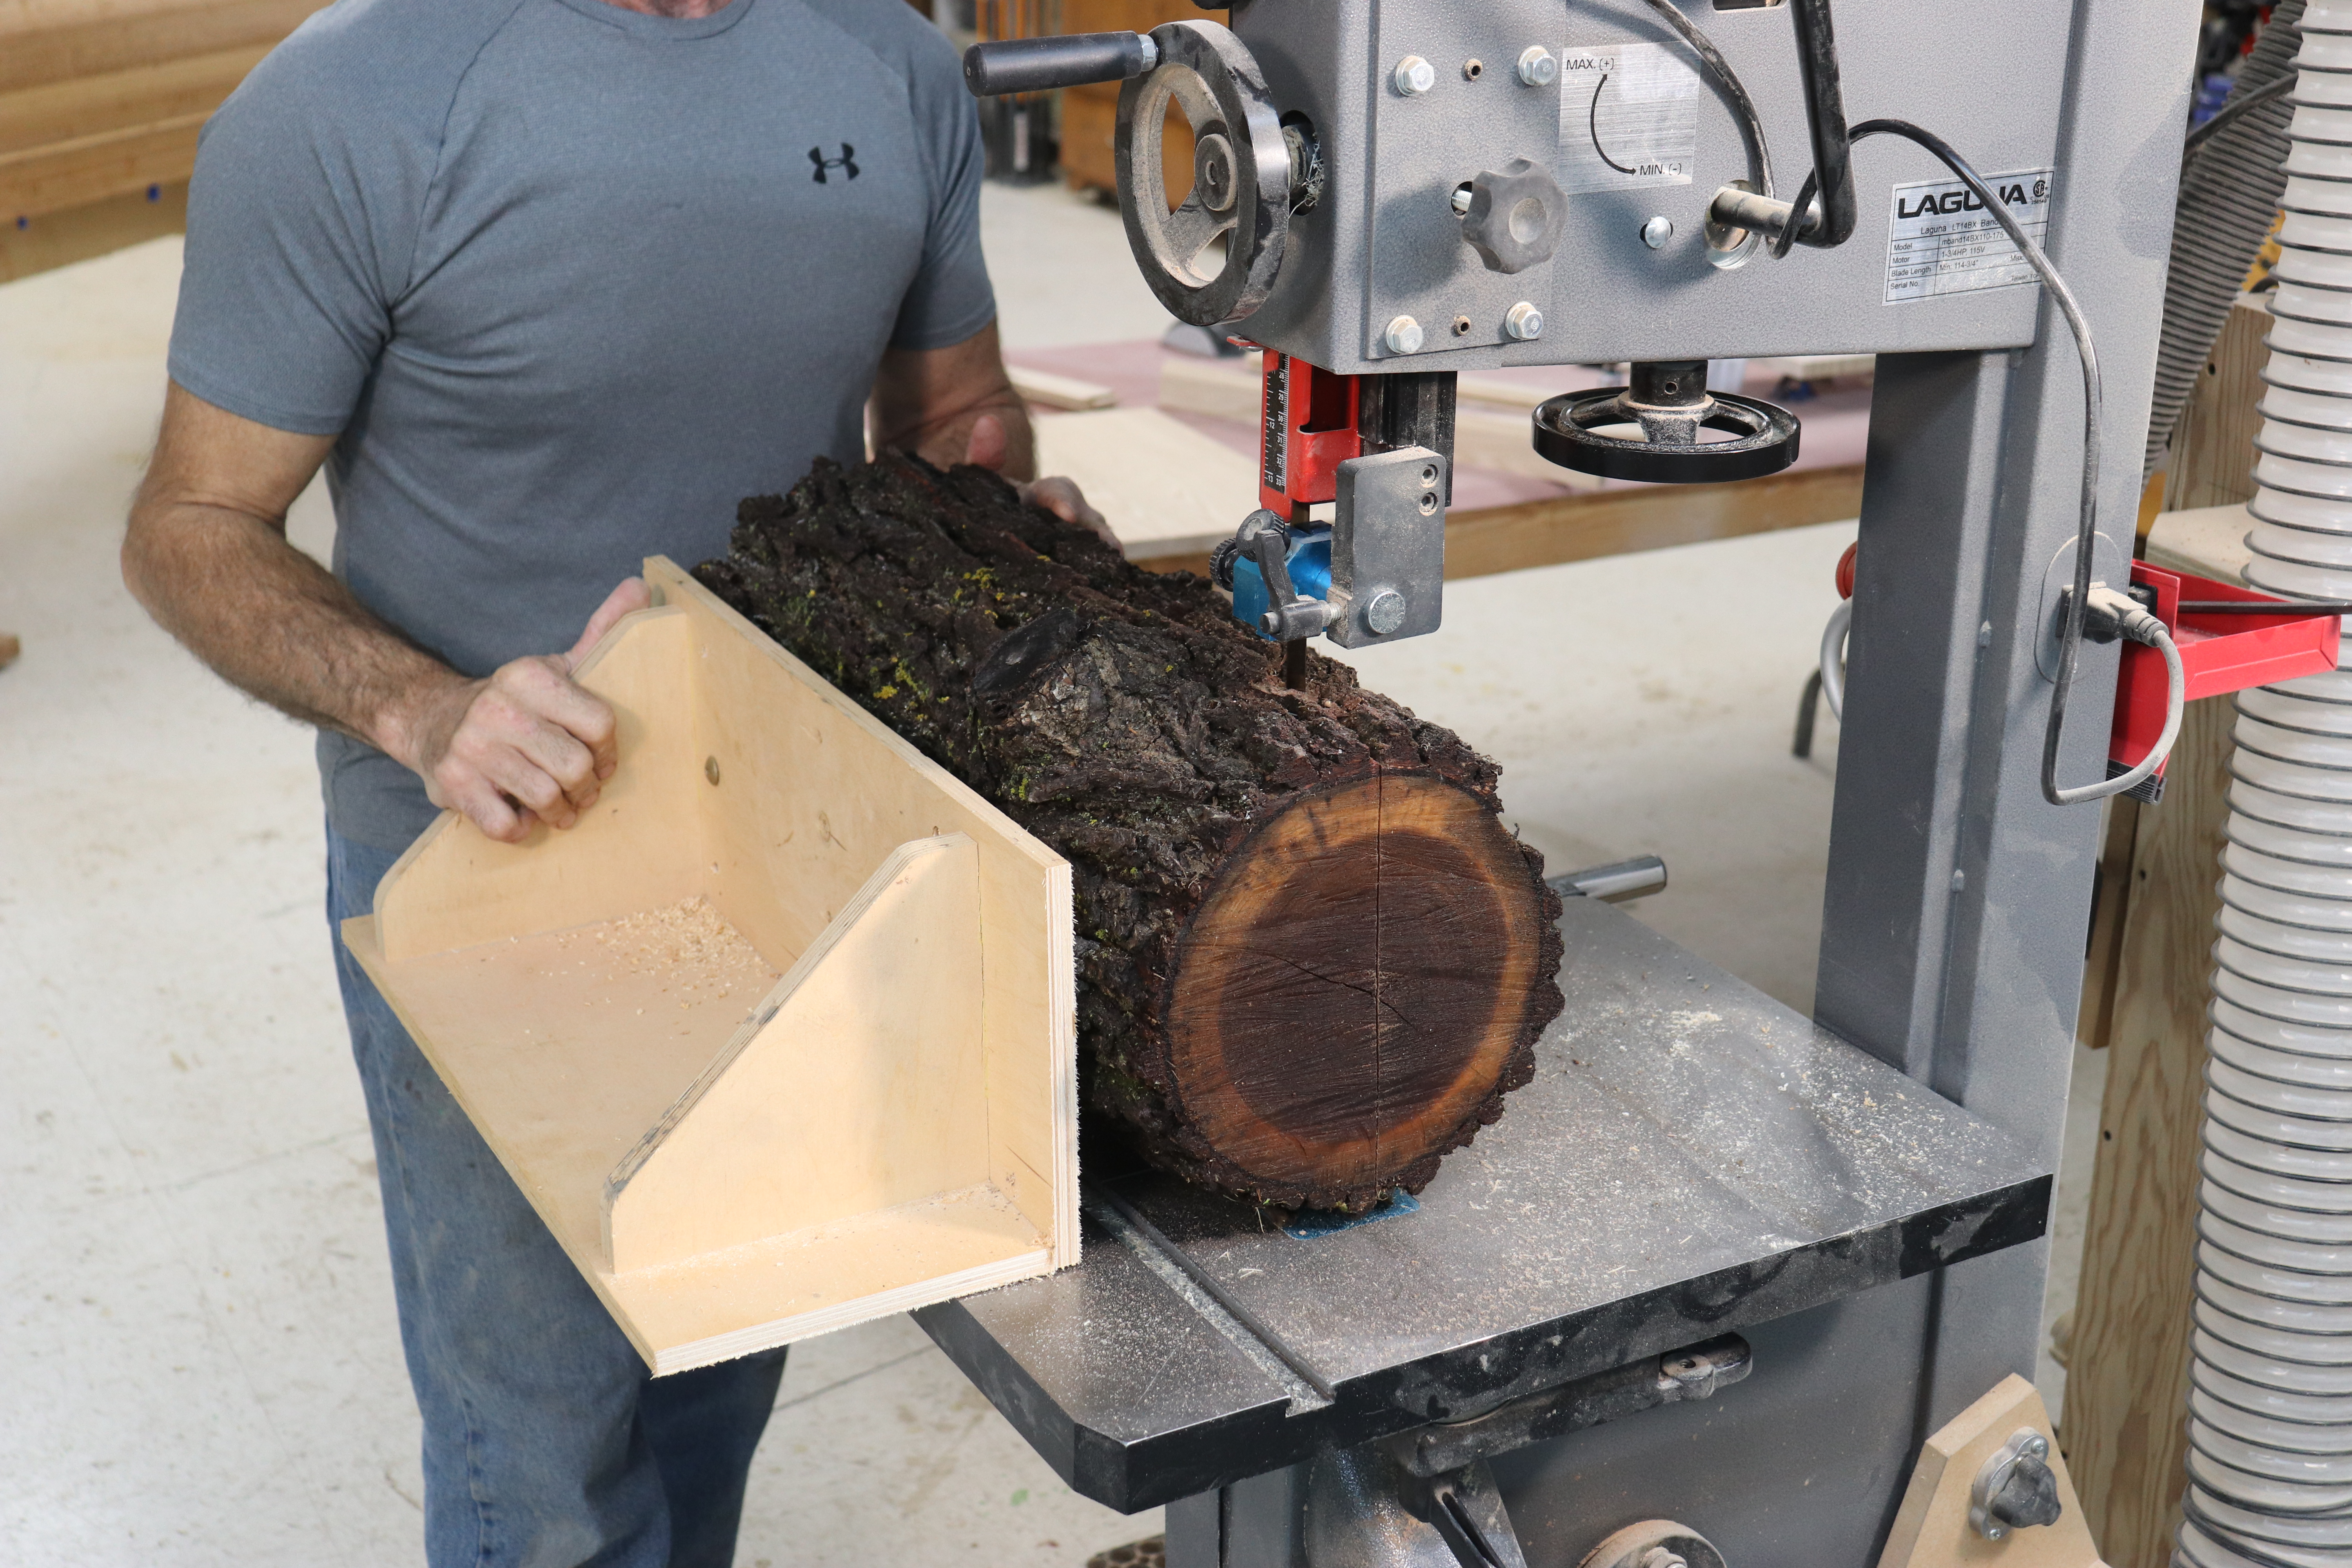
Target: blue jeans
[(547, 1444)]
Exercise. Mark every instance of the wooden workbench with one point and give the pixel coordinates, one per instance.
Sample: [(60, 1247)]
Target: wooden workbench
[(100, 105)]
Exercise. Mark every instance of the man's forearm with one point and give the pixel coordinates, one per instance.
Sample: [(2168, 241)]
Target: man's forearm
[(945, 439), (929, 402), (278, 626)]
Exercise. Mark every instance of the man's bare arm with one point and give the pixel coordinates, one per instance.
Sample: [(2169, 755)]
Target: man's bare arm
[(956, 405), (931, 402), (206, 553)]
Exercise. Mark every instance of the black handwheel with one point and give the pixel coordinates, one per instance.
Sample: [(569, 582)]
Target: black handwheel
[(1764, 440)]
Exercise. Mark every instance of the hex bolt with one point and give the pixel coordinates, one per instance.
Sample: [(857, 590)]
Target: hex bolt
[(1657, 231), (1538, 65), (1386, 612), (1414, 76), (1524, 322), (1404, 336)]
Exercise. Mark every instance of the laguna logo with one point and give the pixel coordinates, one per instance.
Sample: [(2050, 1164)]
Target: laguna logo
[(1960, 199), (846, 162)]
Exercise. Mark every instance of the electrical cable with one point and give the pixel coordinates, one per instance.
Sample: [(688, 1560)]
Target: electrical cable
[(2071, 633), (2070, 639), (2151, 634), (1751, 124), (2237, 108), (1833, 657), (2265, 607)]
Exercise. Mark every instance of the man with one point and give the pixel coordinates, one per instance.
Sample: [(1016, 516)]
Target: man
[(547, 286)]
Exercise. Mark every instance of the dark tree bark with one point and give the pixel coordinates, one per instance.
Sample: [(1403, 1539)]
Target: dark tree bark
[(1311, 959)]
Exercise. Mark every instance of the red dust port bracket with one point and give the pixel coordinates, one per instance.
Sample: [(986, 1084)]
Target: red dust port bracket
[(2218, 654)]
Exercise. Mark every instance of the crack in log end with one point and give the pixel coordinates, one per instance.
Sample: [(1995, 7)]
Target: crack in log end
[(1127, 720)]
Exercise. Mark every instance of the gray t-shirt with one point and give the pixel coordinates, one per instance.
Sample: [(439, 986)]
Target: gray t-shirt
[(570, 281)]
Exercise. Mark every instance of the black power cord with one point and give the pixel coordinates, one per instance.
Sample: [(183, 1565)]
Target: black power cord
[(1751, 124), (2069, 642), (1821, 84), (2237, 108)]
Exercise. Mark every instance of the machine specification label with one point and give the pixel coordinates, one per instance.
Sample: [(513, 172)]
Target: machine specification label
[(1943, 241), (1628, 117)]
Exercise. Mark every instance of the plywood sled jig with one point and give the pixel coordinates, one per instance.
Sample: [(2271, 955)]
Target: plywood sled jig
[(782, 1035)]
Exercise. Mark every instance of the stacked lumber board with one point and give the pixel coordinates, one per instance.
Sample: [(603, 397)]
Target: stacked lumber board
[(100, 101)]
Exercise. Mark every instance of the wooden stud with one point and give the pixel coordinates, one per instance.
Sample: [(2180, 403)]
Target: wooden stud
[(1652, 516), (2212, 459), (44, 41), (1044, 389), (2125, 1422), (2128, 1357), (96, 229), (33, 117)]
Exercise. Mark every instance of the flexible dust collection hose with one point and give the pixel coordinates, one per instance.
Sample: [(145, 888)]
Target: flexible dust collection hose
[(2228, 194), (2270, 1429)]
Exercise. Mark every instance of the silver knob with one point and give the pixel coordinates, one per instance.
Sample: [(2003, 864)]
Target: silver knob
[(1414, 76), (1538, 66), (1404, 336), (1524, 322)]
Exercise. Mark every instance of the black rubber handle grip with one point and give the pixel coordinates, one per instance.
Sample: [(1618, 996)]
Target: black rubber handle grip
[(1040, 65)]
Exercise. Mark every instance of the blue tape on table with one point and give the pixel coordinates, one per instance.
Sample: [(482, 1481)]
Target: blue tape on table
[(1308, 1224)]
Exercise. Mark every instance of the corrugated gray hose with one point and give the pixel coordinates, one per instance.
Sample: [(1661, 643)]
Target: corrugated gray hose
[(2228, 194), (2270, 1427)]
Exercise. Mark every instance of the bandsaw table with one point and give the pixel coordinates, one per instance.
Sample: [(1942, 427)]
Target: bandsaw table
[(1692, 1158)]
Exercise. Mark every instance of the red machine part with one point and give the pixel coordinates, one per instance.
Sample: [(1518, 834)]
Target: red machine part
[(2219, 655), (1307, 430)]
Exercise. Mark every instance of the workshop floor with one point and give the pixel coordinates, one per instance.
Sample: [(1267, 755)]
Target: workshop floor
[(197, 1339)]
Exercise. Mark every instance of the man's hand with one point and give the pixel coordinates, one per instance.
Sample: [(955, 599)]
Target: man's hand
[(956, 405), (525, 745), (206, 552), (1057, 495)]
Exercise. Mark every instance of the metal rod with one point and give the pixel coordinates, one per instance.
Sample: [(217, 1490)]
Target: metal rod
[(1825, 122), (1294, 664), (1809, 705)]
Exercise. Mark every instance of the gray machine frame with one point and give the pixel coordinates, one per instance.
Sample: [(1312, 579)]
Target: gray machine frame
[(1956, 898)]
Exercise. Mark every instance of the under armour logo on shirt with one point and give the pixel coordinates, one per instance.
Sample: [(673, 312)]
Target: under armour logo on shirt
[(845, 163)]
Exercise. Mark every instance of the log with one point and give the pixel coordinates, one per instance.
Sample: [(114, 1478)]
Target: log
[(1311, 959)]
